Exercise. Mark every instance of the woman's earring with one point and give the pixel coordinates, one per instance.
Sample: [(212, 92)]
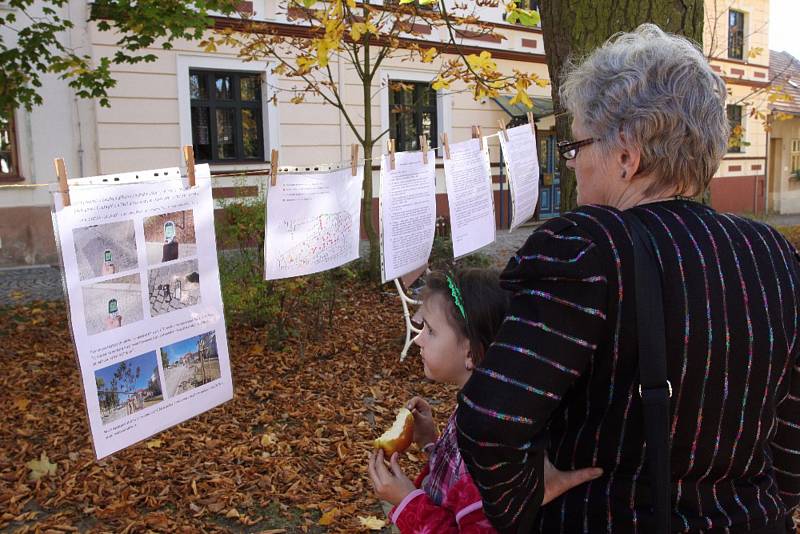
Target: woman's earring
[(624, 174)]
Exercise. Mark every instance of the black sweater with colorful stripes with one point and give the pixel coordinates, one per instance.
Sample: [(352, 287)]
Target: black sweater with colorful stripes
[(562, 376)]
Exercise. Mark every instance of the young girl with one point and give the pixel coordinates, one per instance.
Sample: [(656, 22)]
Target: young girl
[(461, 313)]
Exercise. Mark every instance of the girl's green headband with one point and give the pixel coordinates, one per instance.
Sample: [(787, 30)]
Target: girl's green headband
[(456, 293)]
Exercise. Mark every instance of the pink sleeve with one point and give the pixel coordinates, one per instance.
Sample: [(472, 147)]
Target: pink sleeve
[(461, 512)]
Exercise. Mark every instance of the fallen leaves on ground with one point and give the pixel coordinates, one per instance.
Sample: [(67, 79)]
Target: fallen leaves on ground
[(287, 454), (372, 522), (41, 467)]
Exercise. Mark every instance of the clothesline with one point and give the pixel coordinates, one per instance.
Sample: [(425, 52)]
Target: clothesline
[(249, 172)]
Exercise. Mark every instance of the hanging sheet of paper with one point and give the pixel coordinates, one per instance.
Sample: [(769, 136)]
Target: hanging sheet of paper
[(313, 222), (407, 213), (468, 177), (522, 168), (140, 268)]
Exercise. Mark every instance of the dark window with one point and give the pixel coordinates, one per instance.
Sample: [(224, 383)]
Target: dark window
[(412, 112), (226, 116), (735, 35), (736, 140), (9, 165)]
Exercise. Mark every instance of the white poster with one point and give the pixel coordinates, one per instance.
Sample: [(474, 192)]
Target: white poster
[(407, 212), (468, 176), (140, 269), (522, 167), (313, 222)]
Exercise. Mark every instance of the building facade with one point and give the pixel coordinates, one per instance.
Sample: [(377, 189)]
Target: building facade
[(784, 138), (235, 112)]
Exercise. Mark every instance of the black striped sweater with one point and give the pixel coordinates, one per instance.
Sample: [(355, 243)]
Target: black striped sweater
[(562, 375)]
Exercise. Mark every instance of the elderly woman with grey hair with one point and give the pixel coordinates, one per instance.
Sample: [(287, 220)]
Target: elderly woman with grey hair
[(561, 383)]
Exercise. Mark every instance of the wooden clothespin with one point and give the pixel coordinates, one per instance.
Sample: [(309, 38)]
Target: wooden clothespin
[(476, 134), (390, 145), (273, 168), (423, 145), (503, 128), (188, 155), (446, 146), (354, 158), (61, 172), (531, 121)]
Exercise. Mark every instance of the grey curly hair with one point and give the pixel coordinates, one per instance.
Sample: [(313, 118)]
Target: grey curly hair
[(659, 92)]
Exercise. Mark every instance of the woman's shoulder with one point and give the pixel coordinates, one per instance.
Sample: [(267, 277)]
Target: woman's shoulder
[(571, 246), (587, 227)]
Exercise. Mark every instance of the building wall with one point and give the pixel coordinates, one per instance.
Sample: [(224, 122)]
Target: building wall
[(740, 183), (149, 118), (785, 192)]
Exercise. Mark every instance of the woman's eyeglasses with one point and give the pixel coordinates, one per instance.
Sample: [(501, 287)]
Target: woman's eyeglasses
[(569, 149)]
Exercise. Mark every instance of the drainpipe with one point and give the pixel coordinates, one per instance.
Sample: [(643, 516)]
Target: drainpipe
[(766, 169), (77, 131)]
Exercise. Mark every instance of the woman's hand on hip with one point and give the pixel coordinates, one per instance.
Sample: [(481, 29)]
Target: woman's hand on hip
[(556, 482)]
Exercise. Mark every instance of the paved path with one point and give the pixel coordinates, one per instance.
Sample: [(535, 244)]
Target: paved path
[(19, 286)]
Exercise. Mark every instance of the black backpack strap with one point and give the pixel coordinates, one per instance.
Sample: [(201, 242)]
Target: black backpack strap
[(655, 389)]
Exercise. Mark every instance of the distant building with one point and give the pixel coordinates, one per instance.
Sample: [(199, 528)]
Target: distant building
[(784, 140)]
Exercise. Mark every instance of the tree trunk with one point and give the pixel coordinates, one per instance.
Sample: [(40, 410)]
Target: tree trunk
[(573, 28), (366, 201)]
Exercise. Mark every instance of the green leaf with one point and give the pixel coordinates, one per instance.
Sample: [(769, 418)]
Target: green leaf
[(526, 17)]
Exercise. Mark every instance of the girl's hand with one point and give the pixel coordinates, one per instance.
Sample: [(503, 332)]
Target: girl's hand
[(558, 482), (424, 429), (391, 486)]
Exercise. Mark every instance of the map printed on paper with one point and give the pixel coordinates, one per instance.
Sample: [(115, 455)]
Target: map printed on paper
[(312, 222)]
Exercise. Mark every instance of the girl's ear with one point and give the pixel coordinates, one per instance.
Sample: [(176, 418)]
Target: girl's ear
[(469, 361), (466, 352)]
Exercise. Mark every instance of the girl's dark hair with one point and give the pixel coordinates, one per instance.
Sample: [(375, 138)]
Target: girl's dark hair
[(485, 304)]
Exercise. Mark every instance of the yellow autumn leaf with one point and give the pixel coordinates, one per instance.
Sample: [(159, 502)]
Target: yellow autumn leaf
[(154, 444), (304, 63), (357, 30), (351, 4), (429, 55), (371, 522), (41, 467), (328, 517), (210, 47), (523, 97), (268, 439), (440, 84), (481, 62)]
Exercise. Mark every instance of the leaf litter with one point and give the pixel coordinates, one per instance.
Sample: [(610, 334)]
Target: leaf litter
[(287, 454)]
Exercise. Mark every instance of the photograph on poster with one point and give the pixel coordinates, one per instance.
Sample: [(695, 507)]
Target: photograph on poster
[(128, 386), (112, 303), (170, 236), (190, 363), (173, 287), (105, 249)]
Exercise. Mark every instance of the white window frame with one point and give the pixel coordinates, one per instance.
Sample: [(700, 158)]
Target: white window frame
[(444, 101), (270, 120)]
